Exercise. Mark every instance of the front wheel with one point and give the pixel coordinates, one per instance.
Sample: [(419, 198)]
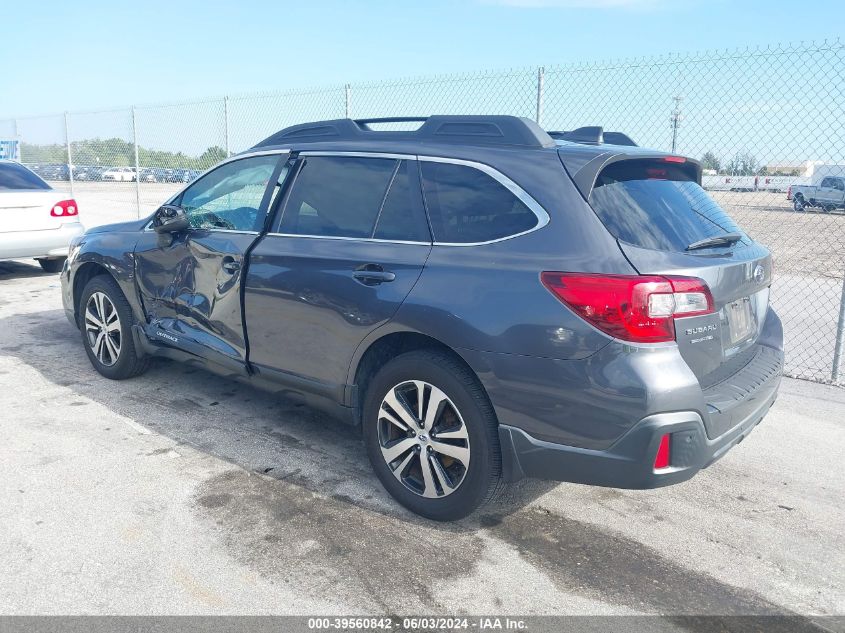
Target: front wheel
[(432, 435), (105, 320)]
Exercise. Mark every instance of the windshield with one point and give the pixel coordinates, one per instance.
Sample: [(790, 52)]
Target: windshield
[(14, 177), (659, 206)]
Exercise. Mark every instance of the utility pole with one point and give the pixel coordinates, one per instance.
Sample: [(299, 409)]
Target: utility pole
[(676, 121)]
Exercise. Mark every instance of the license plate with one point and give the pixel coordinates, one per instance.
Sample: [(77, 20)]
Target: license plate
[(740, 321)]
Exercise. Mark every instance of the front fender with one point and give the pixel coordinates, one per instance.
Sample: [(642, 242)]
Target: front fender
[(97, 253)]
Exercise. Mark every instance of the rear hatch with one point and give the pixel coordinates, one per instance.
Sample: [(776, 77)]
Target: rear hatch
[(666, 224)]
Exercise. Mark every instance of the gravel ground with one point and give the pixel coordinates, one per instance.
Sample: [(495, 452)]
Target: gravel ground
[(179, 492)]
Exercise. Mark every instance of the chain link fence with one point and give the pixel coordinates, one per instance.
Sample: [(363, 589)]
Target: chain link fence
[(768, 124)]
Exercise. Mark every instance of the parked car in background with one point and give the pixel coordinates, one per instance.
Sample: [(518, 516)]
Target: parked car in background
[(161, 174), (148, 174), (181, 175), (828, 195), (486, 302), (119, 174), (35, 220), (54, 172), (87, 173)]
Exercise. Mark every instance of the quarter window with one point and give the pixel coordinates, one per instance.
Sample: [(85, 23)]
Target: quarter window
[(229, 198), (466, 205), (337, 196)]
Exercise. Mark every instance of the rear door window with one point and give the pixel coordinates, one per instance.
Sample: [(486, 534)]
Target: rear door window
[(337, 196), (658, 205), (466, 205), (14, 177)]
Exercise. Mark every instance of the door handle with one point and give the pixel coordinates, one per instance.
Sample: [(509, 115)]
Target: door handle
[(372, 274), (230, 265)]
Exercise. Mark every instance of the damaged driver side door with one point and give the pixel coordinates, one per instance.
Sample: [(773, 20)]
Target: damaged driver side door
[(189, 281)]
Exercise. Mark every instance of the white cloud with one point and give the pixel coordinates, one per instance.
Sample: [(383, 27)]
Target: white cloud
[(576, 4)]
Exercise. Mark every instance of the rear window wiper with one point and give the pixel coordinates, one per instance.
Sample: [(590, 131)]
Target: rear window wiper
[(725, 239)]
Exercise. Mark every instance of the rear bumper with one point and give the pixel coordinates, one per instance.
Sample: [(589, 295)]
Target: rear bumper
[(628, 463), (45, 243)]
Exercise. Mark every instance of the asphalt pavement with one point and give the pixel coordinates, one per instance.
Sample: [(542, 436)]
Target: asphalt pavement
[(180, 492)]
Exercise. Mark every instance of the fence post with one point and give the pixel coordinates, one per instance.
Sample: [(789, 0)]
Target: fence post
[(17, 138), (347, 90), (840, 337), (69, 157), (541, 75), (226, 126), (137, 166)]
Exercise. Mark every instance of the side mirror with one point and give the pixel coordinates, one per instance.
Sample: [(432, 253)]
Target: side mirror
[(170, 219)]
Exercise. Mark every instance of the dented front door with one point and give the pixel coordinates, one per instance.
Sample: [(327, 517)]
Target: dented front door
[(191, 292)]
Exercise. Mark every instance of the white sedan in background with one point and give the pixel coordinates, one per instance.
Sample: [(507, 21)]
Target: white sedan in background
[(120, 174), (35, 220)]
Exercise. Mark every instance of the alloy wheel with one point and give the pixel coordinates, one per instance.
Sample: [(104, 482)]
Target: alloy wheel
[(423, 439), (102, 328)]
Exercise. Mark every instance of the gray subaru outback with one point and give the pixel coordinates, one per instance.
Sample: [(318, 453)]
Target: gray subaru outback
[(486, 300)]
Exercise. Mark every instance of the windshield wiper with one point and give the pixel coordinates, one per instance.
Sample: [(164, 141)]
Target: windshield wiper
[(725, 239)]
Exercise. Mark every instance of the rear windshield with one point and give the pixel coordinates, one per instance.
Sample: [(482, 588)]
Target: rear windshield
[(14, 177), (658, 205)]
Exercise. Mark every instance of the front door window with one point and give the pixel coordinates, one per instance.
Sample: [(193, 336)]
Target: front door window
[(229, 198)]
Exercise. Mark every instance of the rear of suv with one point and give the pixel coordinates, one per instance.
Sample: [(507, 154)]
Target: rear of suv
[(487, 300)]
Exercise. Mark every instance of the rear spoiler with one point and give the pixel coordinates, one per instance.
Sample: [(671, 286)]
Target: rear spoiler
[(593, 135), (584, 168)]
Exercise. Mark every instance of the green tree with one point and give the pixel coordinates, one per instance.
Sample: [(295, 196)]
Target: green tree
[(743, 164), (211, 156), (711, 161), (118, 152)]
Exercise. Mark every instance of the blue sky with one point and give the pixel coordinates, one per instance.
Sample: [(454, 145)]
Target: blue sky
[(82, 55)]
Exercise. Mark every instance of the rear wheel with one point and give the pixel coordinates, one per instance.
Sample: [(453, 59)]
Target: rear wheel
[(105, 320), (798, 203), (53, 265), (432, 436)]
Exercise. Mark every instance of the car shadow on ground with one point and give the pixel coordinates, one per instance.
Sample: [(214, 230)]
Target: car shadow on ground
[(12, 269), (260, 431)]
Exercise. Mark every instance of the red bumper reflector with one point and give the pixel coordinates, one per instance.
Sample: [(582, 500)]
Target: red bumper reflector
[(662, 458)]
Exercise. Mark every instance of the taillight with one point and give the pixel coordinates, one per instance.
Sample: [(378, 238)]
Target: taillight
[(64, 208), (662, 459), (636, 308), (674, 159)]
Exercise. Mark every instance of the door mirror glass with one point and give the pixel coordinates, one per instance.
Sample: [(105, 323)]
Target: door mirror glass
[(170, 219)]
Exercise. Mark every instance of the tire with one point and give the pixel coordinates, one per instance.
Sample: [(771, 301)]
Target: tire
[(52, 265), (114, 355), (456, 484), (798, 204)]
